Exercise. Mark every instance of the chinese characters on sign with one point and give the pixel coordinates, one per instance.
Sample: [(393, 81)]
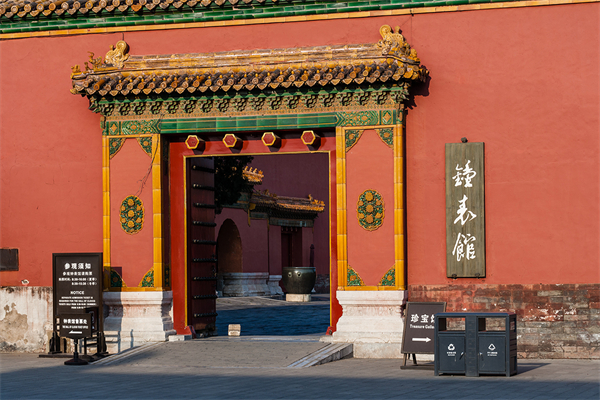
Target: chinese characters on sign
[(419, 327), (77, 290), (75, 326), (465, 210)]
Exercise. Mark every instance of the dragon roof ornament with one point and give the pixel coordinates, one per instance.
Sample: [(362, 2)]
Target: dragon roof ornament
[(390, 60)]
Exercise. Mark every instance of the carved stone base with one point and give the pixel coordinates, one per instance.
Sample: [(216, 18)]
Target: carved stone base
[(242, 284), (372, 321), (135, 318), (274, 285)]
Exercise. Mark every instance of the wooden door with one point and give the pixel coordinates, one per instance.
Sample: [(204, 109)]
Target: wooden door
[(201, 245)]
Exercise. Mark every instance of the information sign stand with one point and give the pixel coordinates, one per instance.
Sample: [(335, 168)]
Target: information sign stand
[(419, 331), (77, 304)]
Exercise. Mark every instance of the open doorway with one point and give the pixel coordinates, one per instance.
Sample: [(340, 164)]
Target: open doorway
[(294, 175), (281, 221)]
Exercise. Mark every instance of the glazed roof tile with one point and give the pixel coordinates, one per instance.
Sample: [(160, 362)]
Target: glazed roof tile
[(119, 74), (19, 17), (34, 8), (283, 203)]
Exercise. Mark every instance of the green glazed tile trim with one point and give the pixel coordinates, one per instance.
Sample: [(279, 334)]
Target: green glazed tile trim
[(148, 279), (352, 136), (115, 279), (387, 136), (244, 123), (353, 279), (389, 279), (114, 145), (213, 12), (140, 127), (146, 144), (359, 118)]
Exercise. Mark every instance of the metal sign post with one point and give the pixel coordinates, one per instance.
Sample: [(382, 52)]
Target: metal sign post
[(419, 330), (75, 326)]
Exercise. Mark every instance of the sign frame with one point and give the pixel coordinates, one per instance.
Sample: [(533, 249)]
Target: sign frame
[(465, 210), (421, 346), (86, 302)]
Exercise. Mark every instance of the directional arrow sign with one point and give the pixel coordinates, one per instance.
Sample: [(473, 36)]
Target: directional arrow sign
[(419, 327)]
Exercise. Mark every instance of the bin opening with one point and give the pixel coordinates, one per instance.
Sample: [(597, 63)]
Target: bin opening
[(492, 324), (452, 324)]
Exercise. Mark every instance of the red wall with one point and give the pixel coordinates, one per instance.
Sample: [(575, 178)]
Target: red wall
[(524, 81), (300, 175), (50, 157)]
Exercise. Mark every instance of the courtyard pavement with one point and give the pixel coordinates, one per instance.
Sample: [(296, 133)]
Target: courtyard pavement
[(257, 366)]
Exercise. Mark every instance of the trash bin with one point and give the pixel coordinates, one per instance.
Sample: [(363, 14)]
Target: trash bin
[(472, 347)]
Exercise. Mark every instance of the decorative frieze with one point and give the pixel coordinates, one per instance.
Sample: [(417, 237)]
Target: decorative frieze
[(360, 107)]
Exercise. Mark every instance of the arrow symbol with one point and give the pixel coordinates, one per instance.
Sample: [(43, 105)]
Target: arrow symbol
[(419, 339)]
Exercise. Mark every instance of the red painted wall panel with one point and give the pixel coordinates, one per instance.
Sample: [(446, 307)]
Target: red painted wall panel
[(132, 255), (370, 166), (50, 158), (496, 78)]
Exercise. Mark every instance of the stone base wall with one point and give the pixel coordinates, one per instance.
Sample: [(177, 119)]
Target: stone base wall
[(243, 284), (25, 318), (554, 321), (372, 321), (136, 318)]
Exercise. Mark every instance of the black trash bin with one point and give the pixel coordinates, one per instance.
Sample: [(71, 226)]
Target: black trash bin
[(472, 349)]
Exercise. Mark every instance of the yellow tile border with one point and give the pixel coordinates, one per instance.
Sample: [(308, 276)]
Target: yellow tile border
[(157, 243), (276, 20), (399, 203), (106, 210), (340, 183)]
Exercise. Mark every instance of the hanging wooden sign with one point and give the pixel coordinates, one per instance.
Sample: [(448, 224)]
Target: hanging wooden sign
[(465, 210)]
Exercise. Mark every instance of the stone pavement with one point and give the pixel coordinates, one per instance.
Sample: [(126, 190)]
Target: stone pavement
[(266, 316), (258, 367)]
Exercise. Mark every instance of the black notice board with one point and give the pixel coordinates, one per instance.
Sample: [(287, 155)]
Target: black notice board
[(419, 327), (77, 281)]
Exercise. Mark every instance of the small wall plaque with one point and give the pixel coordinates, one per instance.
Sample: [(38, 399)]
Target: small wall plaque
[(9, 259)]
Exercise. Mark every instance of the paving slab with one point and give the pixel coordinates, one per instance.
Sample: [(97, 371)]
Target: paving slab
[(264, 316), (216, 352), (27, 376), (256, 365)]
